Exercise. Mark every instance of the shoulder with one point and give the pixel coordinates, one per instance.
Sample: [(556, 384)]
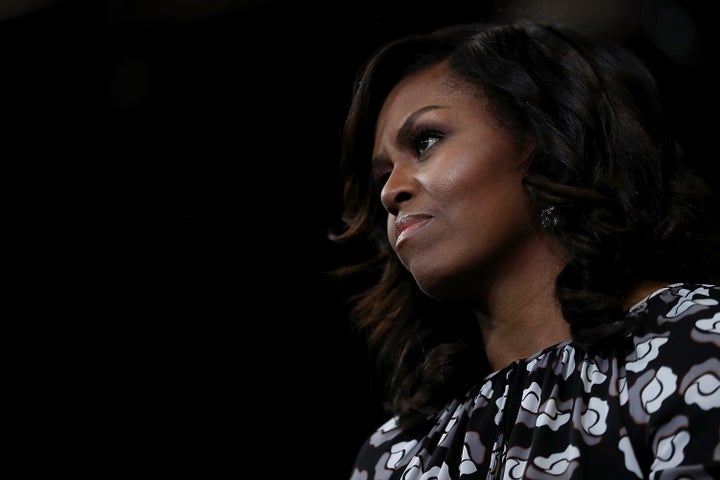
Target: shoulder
[(674, 321), (391, 448), (386, 449), (693, 308), (677, 354), (670, 390), (680, 318)]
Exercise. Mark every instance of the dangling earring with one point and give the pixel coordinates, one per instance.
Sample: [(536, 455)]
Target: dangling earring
[(549, 217)]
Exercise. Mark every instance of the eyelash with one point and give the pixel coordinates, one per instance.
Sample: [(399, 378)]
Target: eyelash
[(414, 142), (422, 136)]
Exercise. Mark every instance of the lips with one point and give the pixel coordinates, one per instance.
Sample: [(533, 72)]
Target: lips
[(407, 225)]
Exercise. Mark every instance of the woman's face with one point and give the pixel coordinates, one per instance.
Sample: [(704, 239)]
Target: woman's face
[(457, 214)]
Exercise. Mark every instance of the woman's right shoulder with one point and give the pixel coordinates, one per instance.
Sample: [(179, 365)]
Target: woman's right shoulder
[(387, 448)]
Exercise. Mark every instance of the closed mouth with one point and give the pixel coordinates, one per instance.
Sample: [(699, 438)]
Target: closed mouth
[(407, 225)]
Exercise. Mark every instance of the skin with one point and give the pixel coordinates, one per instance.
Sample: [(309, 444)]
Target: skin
[(471, 234), (458, 218)]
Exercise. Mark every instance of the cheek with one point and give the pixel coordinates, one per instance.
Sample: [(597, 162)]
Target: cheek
[(484, 193), (469, 176), (455, 177)]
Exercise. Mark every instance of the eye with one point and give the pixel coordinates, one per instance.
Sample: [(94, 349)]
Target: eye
[(425, 140)]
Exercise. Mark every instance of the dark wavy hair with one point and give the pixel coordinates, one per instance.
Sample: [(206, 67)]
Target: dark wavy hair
[(629, 208)]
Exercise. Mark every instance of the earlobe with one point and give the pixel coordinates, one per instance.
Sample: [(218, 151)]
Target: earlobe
[(549, 217)]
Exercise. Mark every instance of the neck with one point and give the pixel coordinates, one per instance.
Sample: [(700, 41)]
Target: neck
[(520, 315)]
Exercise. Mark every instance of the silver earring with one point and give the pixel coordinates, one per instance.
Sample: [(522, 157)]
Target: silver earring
[(549, 217)]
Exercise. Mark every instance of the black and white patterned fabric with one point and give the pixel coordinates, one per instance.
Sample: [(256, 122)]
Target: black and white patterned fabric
[(648, 412)]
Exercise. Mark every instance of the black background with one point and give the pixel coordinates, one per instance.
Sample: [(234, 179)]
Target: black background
[(178, 160)]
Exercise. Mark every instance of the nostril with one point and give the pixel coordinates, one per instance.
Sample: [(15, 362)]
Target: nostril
[(402, 197), (392, 206)]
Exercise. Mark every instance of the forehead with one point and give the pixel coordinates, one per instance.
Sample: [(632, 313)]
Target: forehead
[(437, 83), (437, 86)]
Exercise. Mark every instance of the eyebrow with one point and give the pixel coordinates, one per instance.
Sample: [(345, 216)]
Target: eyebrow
[(405, 130)]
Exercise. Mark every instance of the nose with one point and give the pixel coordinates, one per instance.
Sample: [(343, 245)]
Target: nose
[(398, 189)]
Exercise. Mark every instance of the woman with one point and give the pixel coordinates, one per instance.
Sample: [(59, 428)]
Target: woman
[(543, 303)]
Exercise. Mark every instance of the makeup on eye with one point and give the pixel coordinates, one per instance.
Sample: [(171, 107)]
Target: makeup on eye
[(421, 125), (425, 139), (419, 132), (420, 139)]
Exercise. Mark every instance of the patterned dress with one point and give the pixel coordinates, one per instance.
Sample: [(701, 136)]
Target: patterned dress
[(648, 412)]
